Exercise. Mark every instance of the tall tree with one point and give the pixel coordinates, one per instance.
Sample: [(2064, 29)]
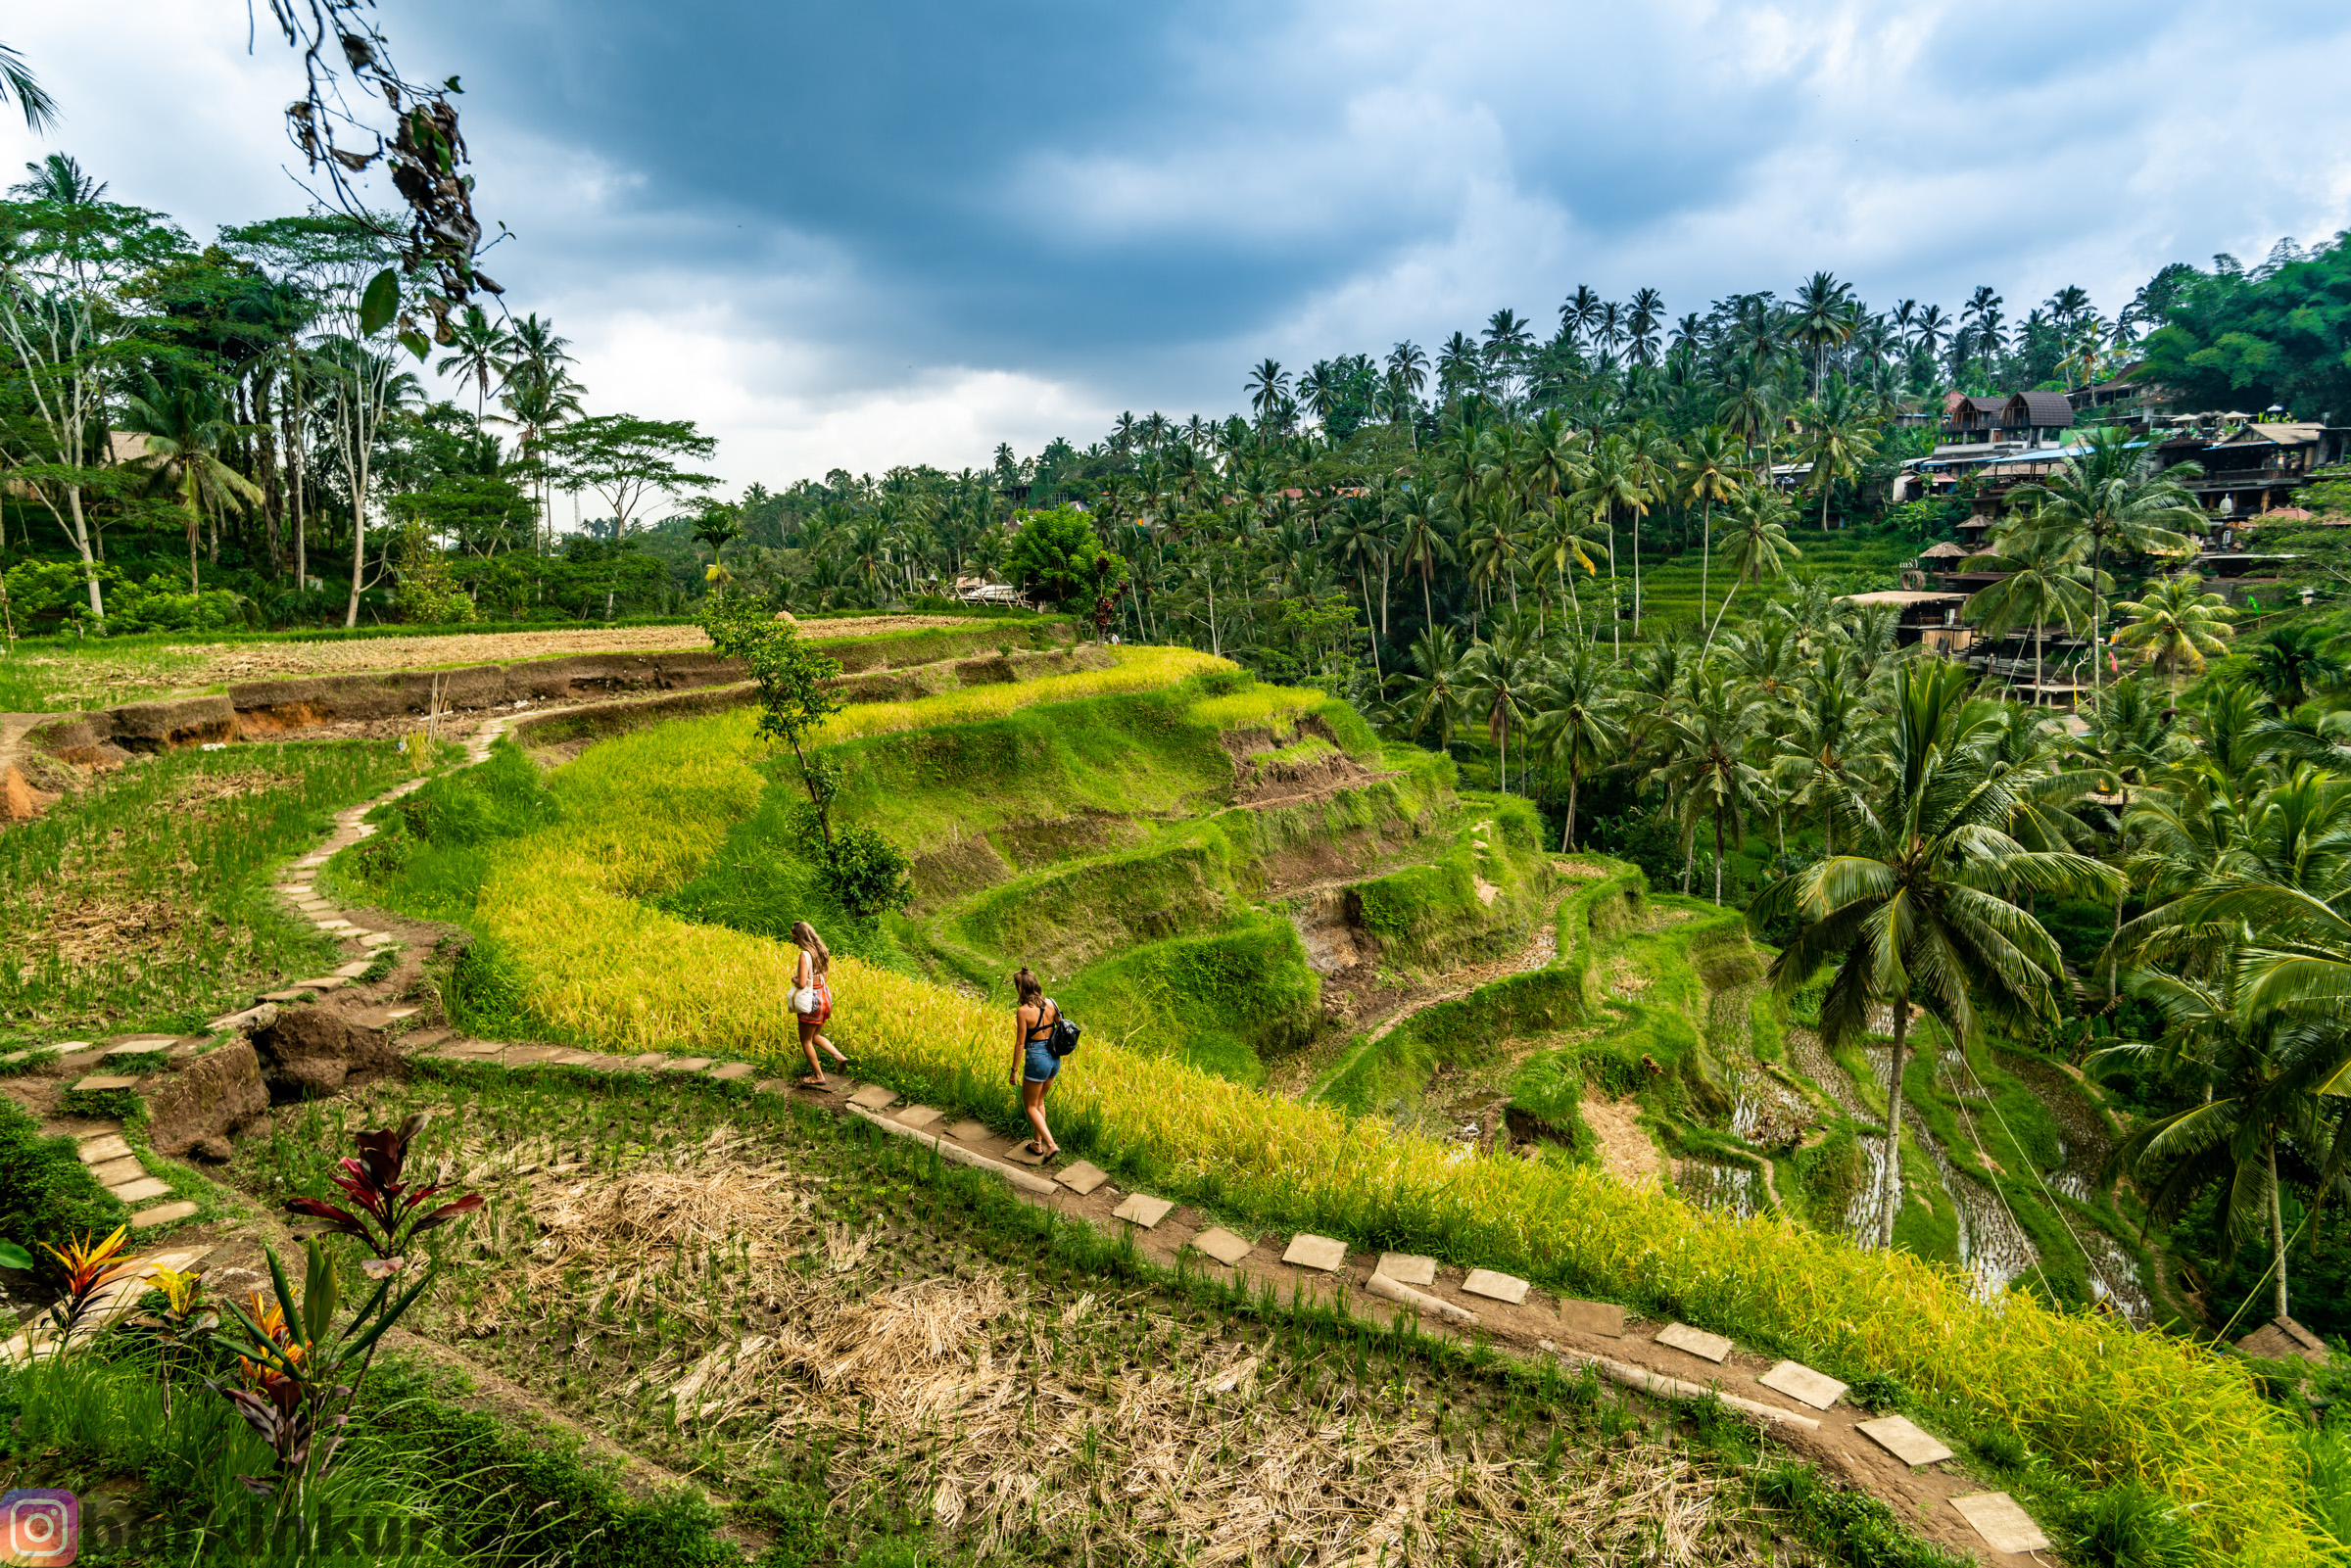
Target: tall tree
[(2110, 493), (65, 276), (1922, 908)]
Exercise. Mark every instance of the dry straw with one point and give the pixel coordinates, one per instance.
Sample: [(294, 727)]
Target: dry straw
[(2109, 1403)]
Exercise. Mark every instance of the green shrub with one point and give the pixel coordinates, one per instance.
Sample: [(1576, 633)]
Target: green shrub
[(46, 1193)]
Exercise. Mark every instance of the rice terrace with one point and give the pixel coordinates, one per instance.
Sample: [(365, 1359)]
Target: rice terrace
[(1708, 935)]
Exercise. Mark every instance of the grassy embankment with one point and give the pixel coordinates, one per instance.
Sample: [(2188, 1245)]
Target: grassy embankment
[(142, 903), (46, 674), (1092, 840), (579, 948)]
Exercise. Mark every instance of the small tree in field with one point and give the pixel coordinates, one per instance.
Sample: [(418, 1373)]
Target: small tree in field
[(1058, 558), (864, 872)]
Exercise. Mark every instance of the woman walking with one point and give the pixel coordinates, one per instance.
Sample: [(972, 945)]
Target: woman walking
[(812, 1001), (1033, 1063)]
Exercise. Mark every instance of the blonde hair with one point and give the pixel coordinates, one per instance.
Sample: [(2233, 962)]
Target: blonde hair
[(803, 937)]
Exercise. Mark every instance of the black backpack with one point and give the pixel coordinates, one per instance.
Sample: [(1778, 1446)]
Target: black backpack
[(1066, 1031)]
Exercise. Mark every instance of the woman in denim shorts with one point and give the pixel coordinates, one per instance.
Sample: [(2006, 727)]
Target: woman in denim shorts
[(1033, 1063)]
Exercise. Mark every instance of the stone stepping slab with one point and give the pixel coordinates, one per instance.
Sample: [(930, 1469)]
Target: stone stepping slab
[(1222, 1245), (104, 1148), (1901, 1436), (970, 1131), (1406, 1268), (687, 1064), (378, 940), (875, 1097), (139, 1190), (1144, 1210), (919, 1115), (322, 983), (353, 969), (1316, 1252), (1022, 1153), (140, 1042), (726, 1071), (100, 1082), (1083, 1178), (161, 1215), (1696, 1340), (124, 1167), (377, 1017), (1799, 1382), (423, 1040), (1495, 1287), (2003, 1525)]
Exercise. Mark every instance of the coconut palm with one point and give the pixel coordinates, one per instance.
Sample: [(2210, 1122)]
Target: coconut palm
[(2296, 662), (1921, 909), (1821, 319), (1822, 758), (1434, 687), (1755, 546), (2262, 1076), (2046, 576), (2176, 625), (2110, 493), (1837, 440), (1576, 723), (1500, 681), (18, 81), (480, 346), (1422, 545), (1706, 772), (186, 422), (1709, 472)]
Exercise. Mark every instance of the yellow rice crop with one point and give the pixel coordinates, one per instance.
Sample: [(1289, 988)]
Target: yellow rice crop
[(2107, 1402), (1139, 669)]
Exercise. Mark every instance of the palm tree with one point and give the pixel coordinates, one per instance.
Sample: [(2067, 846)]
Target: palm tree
[(2294, 663), (58, 178), (1838, 442), (1822, 758), (1648, 313), (481, 346), (1422, 545), (1921, 909), (1579, 314), (2127, 743), (1709, 472), (2046, 577), (1750, 406), (2110, 493), (1576, 723), (1267, 386), (16, 80), (1433, 693), (1706, 772), (1500, 681), (1821, 319), (2176, 625), (186, 422), (1756, 543)]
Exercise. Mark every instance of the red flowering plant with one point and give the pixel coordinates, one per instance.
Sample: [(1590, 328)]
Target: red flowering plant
[(298, 1371)]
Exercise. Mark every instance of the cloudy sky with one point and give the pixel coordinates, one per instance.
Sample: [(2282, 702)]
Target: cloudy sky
[(867, 234)]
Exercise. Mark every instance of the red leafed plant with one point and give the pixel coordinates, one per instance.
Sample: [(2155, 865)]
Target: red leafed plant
[(389, 1212), (298, 1371)]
